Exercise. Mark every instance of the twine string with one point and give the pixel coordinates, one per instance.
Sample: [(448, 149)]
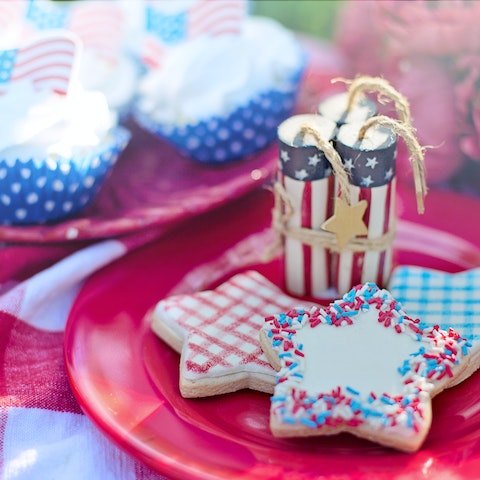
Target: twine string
[(416, 152), (366, 84), (282, 212), (334, 159)]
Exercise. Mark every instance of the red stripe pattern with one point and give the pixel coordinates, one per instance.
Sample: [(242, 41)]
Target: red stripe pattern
[(100, 25), (222, 325), (46, 63), (165, 28)]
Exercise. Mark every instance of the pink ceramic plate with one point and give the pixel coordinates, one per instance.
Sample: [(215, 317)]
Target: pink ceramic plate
[(126, 379)]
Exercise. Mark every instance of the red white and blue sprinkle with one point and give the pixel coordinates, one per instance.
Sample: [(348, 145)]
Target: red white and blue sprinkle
[(438, 353)]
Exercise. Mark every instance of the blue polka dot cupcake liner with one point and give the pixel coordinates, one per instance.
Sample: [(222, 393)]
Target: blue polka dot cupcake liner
[(220, 139), (43, 190)]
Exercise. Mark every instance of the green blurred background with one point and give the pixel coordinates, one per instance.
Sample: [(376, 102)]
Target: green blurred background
[(314, 17)]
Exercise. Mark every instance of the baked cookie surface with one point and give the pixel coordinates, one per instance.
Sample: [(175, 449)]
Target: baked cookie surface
[(362, 366), (216, 332)]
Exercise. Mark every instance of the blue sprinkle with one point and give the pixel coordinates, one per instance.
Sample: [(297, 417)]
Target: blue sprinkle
[(293, 365), (364, 307), (321, 417), (328, 318), (405, 401), (308, 422), (387, 400), (270, 334), (296, 374), (401, 318), (289, 420), (350, 296), (421, 351), (349, 314), (278, 399), (355, 406), (276, 343), (464, 350), (409, 419), (285, 354), (352, 391), (338, 308), (300, 346)]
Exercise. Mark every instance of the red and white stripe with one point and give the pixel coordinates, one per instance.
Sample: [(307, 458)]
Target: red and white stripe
[(215, 18), (100, 25), (353, 268), (307, 269), (153, 51), (47, 63)]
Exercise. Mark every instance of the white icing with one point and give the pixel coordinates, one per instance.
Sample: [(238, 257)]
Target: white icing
[(38, 123), (362, 356), (116, 80), (211, 75)]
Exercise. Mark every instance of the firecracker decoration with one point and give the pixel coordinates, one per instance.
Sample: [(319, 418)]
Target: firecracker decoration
[(305, 179), (356, 230)]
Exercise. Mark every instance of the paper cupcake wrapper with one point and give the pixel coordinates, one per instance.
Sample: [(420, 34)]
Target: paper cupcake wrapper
[(244, 131), (40, 190)]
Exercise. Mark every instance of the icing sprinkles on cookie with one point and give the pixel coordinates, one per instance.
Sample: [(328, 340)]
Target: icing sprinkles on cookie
[(360, 365)]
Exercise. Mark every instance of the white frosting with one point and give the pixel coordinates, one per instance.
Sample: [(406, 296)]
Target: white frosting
[(211, 75), (117, 81), (35, 124), (362, 356)]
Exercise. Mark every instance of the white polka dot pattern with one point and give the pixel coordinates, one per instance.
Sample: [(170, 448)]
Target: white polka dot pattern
[(38, 191), (243, 131)]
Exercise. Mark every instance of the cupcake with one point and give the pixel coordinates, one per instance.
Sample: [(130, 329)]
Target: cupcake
[(221, 98), (58, 142), (107, 64)]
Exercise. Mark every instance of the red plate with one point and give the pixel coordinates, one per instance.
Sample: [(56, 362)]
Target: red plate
[(126, 379)]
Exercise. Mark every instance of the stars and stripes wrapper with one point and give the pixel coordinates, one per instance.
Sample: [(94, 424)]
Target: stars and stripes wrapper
[(305, 175), (370, 163)]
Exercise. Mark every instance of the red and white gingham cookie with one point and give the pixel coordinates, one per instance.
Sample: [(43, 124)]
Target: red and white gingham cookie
[(216, 333)]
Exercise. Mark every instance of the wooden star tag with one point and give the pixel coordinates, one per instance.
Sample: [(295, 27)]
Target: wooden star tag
[(346, 221)]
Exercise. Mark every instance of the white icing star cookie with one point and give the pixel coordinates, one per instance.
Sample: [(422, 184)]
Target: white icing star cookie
[(216, 332), (361, 365)]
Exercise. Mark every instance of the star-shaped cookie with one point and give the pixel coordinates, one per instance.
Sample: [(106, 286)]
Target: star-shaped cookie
[(216, 332), (361, 365)]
